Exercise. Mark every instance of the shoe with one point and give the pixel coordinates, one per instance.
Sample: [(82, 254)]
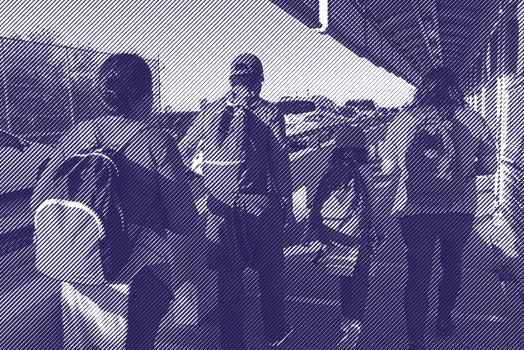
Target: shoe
[(275, 343), (445, 326), (418, 345), (351, 330)]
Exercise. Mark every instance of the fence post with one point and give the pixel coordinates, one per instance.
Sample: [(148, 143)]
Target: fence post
[(69, 77), (4, 86)]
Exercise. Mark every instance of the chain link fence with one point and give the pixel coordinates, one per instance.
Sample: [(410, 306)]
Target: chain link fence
[(45, 88)]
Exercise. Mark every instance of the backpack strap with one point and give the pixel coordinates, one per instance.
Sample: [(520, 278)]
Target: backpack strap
[(121, 148), (132, 138)]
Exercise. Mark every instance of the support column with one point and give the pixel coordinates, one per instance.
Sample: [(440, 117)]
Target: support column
[(513, 151), (520, 19), (516, 92)]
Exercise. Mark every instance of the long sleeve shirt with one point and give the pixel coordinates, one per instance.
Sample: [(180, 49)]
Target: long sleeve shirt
[(208, 121)]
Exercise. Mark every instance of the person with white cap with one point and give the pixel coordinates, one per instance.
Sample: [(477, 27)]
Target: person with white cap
[(341, 217), (246, 173)]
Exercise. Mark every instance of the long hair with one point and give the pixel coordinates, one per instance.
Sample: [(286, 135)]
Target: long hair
[(123, 78), (439, 88)]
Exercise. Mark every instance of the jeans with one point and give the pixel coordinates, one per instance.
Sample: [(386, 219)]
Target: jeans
[(264, 234), (420, 233), (354, 289)]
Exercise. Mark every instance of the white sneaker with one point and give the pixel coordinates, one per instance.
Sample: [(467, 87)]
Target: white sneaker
[(278, 342), (351, 330)]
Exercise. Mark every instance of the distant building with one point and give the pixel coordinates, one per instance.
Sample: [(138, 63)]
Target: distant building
[(48, 87)]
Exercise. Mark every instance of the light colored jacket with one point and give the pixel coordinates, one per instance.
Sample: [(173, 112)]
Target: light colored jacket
[(476, 146)]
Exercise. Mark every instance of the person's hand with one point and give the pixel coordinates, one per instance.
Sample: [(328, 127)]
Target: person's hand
[(240, 96), (377, 237)]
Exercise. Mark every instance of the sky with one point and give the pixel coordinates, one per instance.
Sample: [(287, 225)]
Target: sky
[(197, 39)]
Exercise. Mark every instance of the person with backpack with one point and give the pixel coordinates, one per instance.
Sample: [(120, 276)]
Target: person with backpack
[(246, 173), (113, 200), (341, 218), (508, 235), (434, 149)]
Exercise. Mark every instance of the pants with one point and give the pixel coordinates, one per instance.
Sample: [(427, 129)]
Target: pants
[(148, 303), (263, 234), (420, 233), (158, 268), (354, 289)]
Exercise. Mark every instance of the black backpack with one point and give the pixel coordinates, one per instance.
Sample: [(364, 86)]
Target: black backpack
[(435, 173), (80, 227), (341, 218)]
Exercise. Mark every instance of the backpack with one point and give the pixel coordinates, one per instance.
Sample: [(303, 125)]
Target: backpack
[(341, 209), (341, 217), (80, 227), (435, 174)]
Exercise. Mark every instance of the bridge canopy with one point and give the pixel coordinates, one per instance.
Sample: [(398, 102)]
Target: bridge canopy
[(408, 37)]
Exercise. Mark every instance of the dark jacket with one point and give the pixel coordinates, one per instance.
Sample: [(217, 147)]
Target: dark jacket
[(273, 125)]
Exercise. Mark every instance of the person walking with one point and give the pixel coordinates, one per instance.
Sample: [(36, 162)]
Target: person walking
[(154, 195), (341, 216), (434, 149)]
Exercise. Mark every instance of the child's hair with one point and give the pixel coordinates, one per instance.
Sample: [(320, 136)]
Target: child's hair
[(123, 78)]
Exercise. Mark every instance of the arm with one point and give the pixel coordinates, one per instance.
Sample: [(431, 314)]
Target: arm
[(180, 214), (281, 169), (190, 142), (387, 151)]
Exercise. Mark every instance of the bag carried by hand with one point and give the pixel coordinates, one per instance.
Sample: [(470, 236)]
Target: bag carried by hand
[(80, 227)]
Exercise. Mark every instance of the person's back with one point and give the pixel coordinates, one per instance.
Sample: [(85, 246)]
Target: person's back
[(152, 172), (435, 149), (473, 145)]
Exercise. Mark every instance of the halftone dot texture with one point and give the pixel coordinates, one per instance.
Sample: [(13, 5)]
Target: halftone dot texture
[(488, 317)]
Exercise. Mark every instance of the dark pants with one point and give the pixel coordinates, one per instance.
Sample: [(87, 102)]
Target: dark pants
[(264, 235), (148, 303), (420, 233), (354, 289)]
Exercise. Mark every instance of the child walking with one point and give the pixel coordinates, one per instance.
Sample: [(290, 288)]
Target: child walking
[(341, 217)]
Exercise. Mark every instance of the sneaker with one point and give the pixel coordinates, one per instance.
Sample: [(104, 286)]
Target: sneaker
[(277, 342), (351, 330), (445, 326)]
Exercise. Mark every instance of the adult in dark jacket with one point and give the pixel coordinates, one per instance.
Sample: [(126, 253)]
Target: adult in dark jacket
[(248, 225)]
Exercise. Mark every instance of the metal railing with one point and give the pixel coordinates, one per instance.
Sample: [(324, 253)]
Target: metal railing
[(45, 88)]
